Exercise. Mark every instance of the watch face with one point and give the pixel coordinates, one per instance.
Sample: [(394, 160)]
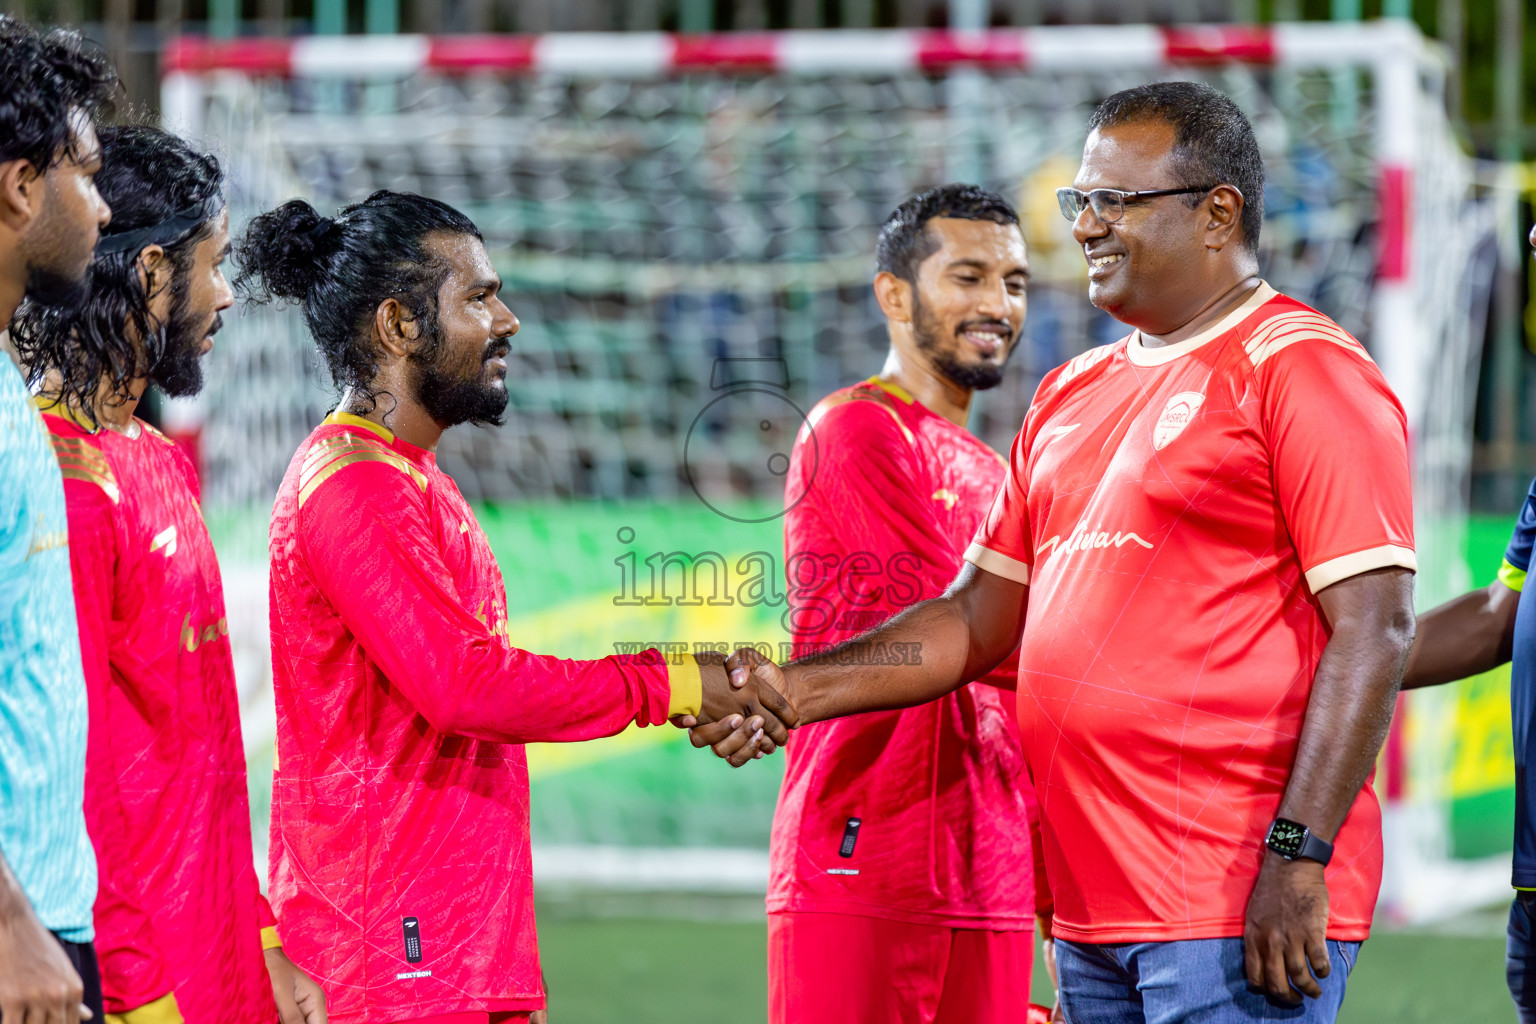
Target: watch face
[(1286, 837)]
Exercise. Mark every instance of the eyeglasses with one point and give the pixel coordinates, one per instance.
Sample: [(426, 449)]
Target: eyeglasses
[(1109, 203)]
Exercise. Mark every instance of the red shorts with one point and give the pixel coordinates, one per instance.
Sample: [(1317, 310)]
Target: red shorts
[(841, 969)]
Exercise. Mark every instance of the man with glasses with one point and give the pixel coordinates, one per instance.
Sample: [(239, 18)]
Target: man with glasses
[(1205, 539)]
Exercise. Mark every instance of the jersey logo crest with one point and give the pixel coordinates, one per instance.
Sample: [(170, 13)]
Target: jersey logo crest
[(1181, 408)]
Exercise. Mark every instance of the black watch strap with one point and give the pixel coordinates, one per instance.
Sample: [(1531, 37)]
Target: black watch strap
[(1295, 841)]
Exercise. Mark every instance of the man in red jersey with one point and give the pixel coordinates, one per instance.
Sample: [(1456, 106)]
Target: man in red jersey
[(180, 923), (400, 848), (1210, 524), (896, 891)]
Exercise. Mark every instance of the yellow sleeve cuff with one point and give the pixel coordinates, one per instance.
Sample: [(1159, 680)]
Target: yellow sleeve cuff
[(269, 939), (1511, 577), (687, 681), (162, 1011)]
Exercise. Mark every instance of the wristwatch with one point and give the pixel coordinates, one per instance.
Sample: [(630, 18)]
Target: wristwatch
[(1294, 841)]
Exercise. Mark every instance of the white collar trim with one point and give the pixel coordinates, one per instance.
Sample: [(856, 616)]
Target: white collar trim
[(1140, 355)]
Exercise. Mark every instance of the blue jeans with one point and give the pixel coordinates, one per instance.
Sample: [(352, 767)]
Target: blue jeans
[(1520, 957), (1199, 981)]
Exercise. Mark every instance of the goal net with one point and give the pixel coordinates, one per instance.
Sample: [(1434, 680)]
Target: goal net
[(686, 226)]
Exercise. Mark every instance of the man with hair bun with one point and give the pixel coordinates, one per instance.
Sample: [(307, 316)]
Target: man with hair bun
[(400, 846), (901, 887), (1205, 541), (50, 214), (180, 922)]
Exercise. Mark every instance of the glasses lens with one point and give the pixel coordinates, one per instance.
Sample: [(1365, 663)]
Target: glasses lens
[(1108, 205), (1071, 202)]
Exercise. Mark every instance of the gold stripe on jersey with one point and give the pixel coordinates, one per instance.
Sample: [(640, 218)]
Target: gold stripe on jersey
[(55, 407), (1285, 330), (81, 460), (831, 402), (890, 387), (322, 458), (331, 455)]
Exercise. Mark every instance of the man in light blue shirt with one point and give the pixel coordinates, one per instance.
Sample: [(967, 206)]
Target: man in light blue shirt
[(50, 214)]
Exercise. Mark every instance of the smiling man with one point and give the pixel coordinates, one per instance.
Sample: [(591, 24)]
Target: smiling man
[(179, 918), (901, 888), (401, 870), (1205, 540)]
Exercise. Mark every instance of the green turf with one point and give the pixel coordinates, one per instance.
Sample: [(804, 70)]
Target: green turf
[(1412, 978), (650, 972)]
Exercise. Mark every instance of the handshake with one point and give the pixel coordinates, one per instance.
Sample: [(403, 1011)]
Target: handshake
[(747, 708)]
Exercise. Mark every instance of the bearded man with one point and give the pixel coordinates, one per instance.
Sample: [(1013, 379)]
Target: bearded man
[(400, 847), (1205, 542), (896, 892), (180, 920)]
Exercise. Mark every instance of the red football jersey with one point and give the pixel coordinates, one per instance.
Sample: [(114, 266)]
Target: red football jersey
[(178, 908), (1174, 512), (883, 496), (400, 864)]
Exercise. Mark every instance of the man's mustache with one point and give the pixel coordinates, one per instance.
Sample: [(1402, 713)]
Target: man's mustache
[(1002, 325)]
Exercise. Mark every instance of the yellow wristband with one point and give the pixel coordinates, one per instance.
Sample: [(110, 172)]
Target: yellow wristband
[(269, 939), (687, 682), (162, 1011)]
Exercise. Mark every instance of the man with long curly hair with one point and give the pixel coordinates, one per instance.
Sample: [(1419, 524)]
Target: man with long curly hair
[(180, 923)]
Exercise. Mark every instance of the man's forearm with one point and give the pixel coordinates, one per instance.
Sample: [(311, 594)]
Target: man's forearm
[(1463, 637), (1353, 696), (914, 657)]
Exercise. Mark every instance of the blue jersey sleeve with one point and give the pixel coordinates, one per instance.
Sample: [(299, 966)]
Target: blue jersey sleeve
[(1517, 557)]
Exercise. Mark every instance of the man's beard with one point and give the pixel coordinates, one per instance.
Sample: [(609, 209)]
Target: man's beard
[(179, 370), (452, 399), (925, 331), (52, 280)]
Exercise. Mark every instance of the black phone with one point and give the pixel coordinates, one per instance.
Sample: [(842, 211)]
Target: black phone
[(412, 940), (850, 837)]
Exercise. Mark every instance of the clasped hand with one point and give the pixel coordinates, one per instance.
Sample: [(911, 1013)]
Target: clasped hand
[(745, 714)]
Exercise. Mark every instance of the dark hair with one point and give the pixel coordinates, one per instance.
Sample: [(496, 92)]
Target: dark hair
[(340, 270), (47, 78), (1213, 142), (904, 244), (151, 179)]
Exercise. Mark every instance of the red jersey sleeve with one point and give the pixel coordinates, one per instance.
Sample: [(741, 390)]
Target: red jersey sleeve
[(1338, 443), (372, 549), (133, 970), (1004, 546)]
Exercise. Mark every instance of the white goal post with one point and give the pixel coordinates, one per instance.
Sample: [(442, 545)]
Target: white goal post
[(638, 191)]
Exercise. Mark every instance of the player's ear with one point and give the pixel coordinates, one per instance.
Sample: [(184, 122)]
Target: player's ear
[(21, 190), (894, 296), (1224, 216), (155, 272), (397, 330)]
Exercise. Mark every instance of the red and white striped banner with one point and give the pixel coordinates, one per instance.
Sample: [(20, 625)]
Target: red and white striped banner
[(842, 52)]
